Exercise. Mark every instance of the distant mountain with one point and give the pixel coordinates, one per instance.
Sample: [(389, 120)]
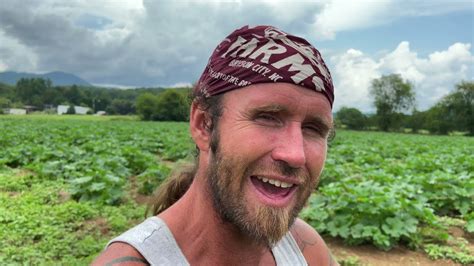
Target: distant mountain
[(57, 77)]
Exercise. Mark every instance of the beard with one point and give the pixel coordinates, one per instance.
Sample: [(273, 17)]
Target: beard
[(227, 175)]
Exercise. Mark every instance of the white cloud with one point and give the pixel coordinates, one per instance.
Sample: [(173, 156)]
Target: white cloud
[(115, 86), (340, 15), (405, 62), (15, 55), (148, 43), (432, 77), (181, 85), (343, 15), (352, 74)]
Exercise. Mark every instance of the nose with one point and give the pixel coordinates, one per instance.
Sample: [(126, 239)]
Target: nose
[(290, 146)]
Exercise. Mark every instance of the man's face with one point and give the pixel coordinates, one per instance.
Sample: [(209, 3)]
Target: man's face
[(270, 146)]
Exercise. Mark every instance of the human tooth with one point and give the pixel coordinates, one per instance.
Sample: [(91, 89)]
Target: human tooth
[(276, 183)]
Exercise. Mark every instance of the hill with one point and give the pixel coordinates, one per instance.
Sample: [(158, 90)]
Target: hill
[(57, 77)]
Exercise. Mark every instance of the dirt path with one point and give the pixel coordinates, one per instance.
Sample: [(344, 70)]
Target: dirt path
[(369, 255)]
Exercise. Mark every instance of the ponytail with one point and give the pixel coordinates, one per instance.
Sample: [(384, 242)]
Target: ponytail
[(178, 183), (172, 189)]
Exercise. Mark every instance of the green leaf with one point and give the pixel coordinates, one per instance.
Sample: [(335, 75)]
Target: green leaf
[(97, 186), (82, 180)]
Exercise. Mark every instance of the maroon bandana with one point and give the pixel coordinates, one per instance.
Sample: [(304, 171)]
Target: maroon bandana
[(264, 54)]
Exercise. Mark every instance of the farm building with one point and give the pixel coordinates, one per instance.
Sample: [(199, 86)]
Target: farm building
[(62, 109), (16, 111), (30, 108)]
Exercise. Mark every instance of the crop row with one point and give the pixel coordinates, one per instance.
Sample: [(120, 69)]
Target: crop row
[(390, 188), (376, 188), (95, 157)]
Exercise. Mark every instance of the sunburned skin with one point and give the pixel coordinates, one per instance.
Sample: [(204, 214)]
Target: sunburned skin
[(268, 133), (286, 126)]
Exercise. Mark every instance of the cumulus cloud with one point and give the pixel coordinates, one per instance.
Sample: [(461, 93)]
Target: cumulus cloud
[(164, 43), (342, 15), (15, 55), (433, 76), (142, 43), (352, 74)]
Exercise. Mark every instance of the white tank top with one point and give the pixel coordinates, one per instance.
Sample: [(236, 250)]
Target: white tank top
[(154, 240)]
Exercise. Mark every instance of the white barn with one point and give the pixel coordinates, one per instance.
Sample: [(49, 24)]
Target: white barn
[(17, 111)]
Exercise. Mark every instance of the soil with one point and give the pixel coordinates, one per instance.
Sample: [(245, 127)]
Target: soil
[(101, 223), (369, 255), (137, 197)]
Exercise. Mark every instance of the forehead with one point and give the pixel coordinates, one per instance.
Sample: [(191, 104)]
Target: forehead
[(301, 102)]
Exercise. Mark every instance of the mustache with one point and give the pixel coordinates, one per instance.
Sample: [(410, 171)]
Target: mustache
[(279, 168)]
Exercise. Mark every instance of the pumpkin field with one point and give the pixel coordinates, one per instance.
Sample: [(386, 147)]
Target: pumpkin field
[(68, 184)]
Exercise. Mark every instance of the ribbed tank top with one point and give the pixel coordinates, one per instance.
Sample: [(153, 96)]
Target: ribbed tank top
[(154, 240)]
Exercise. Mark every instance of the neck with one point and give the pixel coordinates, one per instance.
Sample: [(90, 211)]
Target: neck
[(202, 235)]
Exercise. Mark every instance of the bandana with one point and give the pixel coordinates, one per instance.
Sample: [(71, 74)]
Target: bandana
[(264, 54)]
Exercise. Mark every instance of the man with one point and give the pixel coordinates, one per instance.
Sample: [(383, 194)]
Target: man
[(260, 118)]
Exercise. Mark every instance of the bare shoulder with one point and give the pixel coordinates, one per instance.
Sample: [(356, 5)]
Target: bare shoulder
[(120, 253), (311, 244)]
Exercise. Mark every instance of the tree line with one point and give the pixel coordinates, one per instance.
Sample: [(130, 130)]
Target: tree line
[(393, 99), (148, 103), (395, 104)]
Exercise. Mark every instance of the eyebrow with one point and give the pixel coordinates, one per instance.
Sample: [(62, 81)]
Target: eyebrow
[(324, 125), (271, 108)]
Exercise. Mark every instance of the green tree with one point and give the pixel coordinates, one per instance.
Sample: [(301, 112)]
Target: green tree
[(455, 111), (73, 95), (352, 118), (415, 121), (71, 110), (4, 102), (121, 107), (392, 96), (146, 105), (6, 90), (462, 104), (435, 121), (29, 90), (171, 106)]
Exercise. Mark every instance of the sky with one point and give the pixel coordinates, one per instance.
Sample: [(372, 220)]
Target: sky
[(151, 43)]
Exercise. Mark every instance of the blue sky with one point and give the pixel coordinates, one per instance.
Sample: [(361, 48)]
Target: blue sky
[(425, 34), (137, 43)]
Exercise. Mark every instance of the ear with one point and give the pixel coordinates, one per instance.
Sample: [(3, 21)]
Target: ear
[(199, 126)]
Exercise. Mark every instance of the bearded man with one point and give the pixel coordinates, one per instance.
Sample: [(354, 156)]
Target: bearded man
[(260, 118)]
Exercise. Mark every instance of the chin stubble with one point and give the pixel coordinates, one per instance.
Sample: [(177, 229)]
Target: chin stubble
[(266, 225)]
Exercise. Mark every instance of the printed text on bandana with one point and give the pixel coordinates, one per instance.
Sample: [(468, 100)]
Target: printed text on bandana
[(228, 78), (259, 69), (295, 62)]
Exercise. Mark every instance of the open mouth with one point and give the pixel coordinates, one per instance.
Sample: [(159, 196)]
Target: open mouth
[(275, 192)]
